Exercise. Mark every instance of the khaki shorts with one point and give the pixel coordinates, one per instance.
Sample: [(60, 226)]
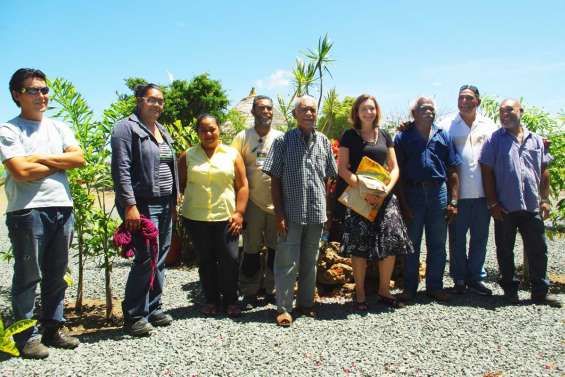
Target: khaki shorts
[(260, 229)]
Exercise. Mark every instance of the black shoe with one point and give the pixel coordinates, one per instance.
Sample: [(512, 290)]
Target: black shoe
[(479, 288), (160, 319), (438, 295), (249, 303), (138, 328), (512, 297), (55, 337), (546, 299), (460, 287), (34, 349)]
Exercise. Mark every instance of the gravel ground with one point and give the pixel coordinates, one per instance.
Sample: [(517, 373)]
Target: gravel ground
[(471, 336)]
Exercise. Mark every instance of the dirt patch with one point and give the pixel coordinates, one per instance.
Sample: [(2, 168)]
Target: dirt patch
[(92, 319)]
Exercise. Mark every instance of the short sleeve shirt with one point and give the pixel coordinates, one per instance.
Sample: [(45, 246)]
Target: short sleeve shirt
[(517, 168), (468, 142), (302, 167), (358, 148), (209, 194), (421, 159), (21, 137), (254, 150)]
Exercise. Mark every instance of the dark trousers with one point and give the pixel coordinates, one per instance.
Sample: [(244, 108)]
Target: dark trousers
[(217, 251), (140, 301), (532, 230)]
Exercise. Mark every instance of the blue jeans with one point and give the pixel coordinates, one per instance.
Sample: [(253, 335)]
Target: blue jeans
[(41, 238), (428, 205), (473, 216), (217, 251), (140, 301), (297, 254), (532, 229)]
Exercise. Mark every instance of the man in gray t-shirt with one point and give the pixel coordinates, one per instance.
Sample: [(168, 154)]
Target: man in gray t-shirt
[(36, 151)]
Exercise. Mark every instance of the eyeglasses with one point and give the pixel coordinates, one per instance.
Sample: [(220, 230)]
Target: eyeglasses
[(154, 101), (35, 91)]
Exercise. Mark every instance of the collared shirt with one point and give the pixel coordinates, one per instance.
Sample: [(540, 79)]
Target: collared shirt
[(302, 167), (468, 142), (210, 192), (421, 159), (21, 137), (517, 168), (254, 150)]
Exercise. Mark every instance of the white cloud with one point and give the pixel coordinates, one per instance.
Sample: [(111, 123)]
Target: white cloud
[(277, 79)]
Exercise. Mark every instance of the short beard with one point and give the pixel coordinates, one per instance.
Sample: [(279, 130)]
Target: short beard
[(266, 124)]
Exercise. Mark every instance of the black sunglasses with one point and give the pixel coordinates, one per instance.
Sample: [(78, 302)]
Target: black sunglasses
[(34, 91)]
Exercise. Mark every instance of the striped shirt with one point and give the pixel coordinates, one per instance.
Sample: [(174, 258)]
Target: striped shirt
[(302, 167), (165, 169)]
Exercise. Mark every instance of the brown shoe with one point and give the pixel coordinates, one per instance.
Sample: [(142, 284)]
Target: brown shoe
[(34, 349), (439, 296), (55, 337)]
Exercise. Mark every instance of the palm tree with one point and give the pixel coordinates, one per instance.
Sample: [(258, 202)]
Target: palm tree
[(321, 59)]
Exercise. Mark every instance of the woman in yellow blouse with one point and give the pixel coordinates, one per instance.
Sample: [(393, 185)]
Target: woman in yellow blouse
[(212, 176)]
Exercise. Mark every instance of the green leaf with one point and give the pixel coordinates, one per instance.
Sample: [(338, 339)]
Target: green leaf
[(7, 345), (19, 326), (69, 279)]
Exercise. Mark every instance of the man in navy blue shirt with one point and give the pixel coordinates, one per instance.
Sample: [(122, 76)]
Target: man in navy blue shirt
[(428, 191), (514, 165)]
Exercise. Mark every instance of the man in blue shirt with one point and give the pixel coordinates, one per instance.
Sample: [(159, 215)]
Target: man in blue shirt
[(427, 160), (516, 181)]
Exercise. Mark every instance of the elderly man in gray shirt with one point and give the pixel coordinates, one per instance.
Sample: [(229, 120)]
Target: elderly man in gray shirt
[(299, 164), (516, 181)]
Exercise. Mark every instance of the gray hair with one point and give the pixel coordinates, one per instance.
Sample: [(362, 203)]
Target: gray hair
[(414, 104), (302, 99)]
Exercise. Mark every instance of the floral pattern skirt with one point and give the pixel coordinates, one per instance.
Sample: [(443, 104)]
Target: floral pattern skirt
[(384, 237)]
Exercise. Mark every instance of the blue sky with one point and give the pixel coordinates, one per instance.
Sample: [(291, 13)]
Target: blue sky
[(395, 50)]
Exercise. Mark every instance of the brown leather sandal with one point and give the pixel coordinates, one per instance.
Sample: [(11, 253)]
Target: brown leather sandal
[(284, 319)]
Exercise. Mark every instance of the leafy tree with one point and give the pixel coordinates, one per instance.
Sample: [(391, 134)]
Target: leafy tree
[(186, 100), (94, 224), (335, 115), (304, 77)]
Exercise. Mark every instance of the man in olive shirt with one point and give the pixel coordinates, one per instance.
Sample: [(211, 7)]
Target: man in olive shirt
[(253, 144)]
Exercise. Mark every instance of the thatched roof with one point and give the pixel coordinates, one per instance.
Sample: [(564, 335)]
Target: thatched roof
[(244, 107)]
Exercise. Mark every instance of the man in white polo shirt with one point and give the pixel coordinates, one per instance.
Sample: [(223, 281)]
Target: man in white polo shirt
[(469, 130), (256, 270)]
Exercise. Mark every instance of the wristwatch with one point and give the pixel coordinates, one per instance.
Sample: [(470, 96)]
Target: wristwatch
[(453, 203)]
